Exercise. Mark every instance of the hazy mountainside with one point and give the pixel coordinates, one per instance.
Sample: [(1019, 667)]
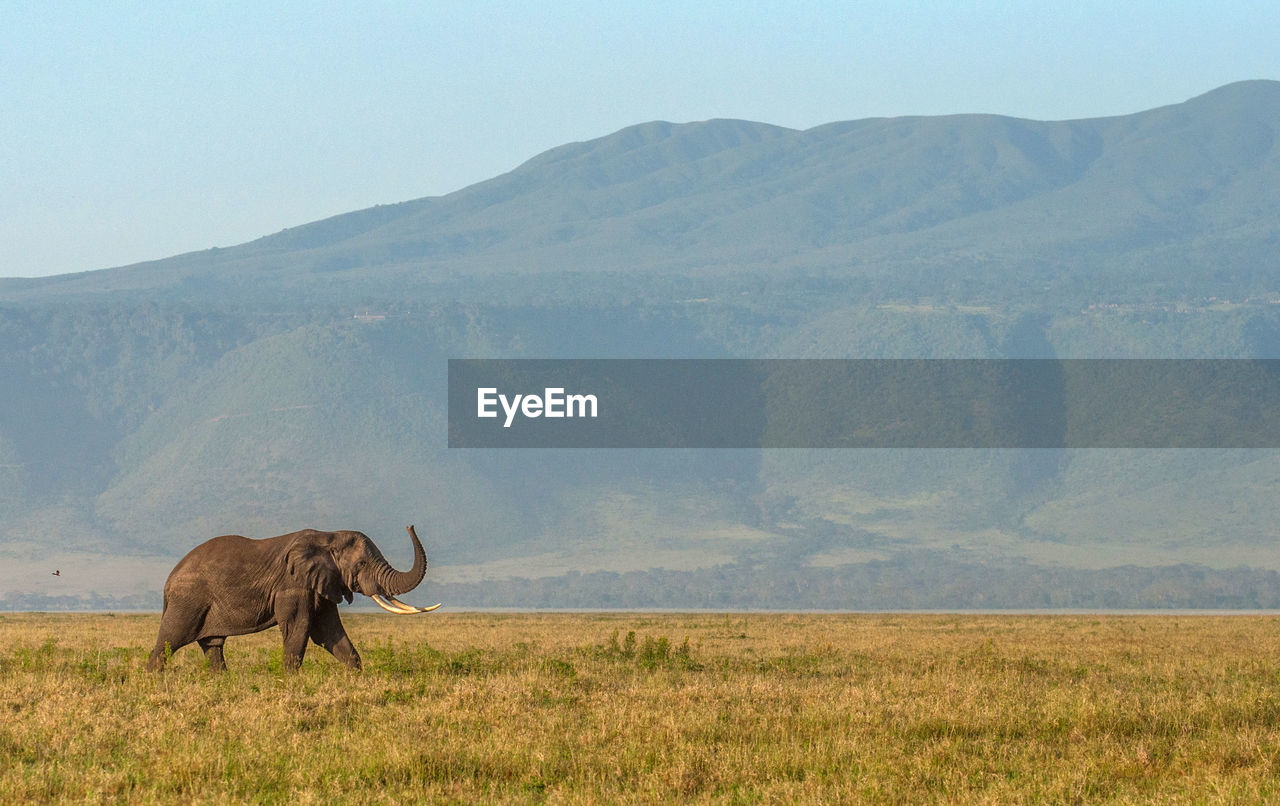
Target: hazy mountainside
[(300, 379), (977, 202)]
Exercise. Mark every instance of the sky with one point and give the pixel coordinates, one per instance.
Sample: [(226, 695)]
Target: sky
[(136, 131)]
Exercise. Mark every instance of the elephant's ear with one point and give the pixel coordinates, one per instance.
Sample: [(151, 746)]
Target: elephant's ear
[(311, 566)]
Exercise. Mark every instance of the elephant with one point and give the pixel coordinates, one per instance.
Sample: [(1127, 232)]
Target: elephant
[(234, 585)]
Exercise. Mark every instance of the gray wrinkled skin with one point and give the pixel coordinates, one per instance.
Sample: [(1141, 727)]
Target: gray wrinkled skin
[(232, 585)]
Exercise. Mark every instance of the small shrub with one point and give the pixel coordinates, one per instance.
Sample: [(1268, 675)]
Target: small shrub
[(651, 653)]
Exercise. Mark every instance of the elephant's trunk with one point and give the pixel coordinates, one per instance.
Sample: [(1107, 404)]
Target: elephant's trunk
[(395, 582)]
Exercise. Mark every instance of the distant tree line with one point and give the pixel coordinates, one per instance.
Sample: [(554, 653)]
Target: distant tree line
[(923, 580), (14, 600)]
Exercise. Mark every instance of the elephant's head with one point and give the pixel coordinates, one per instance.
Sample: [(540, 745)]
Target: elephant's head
[(338, 564)]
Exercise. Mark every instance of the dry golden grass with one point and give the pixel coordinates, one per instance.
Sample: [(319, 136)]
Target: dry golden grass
[(696, 707)]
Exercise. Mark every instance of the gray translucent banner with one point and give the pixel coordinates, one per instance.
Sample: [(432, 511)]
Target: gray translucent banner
[(864, 403)]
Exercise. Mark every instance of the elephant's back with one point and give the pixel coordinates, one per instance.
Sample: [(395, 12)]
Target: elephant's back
[(220, 560), (226, 549)]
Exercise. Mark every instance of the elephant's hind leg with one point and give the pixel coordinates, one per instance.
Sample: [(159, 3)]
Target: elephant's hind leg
[(213, 651), (155, 663), (327, 631), (178, 627)]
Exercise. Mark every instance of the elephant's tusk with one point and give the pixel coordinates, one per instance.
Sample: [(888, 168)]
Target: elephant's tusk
[(398, 607), (387, 606), (411, 608)]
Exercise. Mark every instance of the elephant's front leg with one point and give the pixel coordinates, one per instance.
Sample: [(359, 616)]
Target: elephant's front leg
[(294, 615), (327, 631)]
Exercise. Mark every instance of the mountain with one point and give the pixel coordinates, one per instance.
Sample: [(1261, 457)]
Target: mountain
[(1156, 196), (298, 380)]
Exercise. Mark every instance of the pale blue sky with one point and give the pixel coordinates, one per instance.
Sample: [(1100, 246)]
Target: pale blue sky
[(134, 131)]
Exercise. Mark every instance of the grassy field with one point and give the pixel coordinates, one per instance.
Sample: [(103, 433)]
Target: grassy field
[(604, 708)]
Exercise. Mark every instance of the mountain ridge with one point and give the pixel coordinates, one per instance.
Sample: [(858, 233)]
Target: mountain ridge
[(669, 197)]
